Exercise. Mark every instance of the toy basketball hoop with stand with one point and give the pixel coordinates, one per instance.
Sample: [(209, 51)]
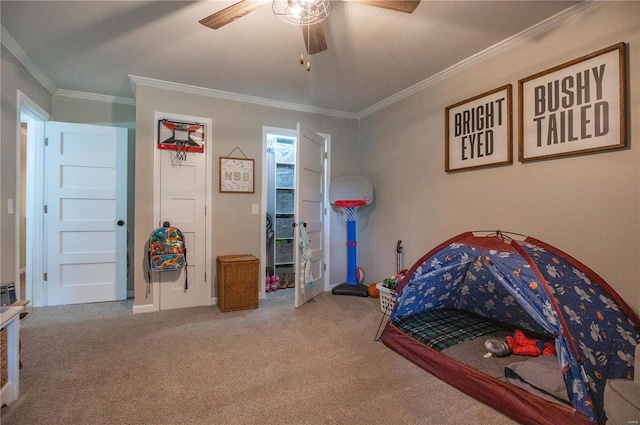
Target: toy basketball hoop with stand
[(350, 193)]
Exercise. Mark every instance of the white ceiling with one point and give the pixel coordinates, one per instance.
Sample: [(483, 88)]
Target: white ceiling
[(92, 46)]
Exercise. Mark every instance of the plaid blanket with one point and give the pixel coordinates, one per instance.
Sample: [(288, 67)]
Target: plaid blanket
[(440, 329)]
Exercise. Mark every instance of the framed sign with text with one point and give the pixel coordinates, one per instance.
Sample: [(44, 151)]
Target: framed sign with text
[(236, 175), (574, 108), (478, 131)]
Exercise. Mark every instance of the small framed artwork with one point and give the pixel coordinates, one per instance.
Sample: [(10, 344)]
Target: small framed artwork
[(478, 131), (574, 108), (236, 175)]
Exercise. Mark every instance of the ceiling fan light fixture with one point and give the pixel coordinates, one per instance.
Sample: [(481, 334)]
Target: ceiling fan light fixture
[(302, 12)]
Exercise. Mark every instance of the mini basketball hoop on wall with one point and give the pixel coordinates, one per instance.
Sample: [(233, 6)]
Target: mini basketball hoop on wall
[(181, 138), (350, 193)]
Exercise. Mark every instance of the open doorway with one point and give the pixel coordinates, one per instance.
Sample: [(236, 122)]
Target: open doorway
[(45, 236), (295, 170), (280, 213)]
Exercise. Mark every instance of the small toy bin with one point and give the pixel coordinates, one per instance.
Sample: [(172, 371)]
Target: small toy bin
[(284, 251), (284, 227), (387, 298)]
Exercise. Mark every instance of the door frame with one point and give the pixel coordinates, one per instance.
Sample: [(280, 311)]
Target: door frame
[(34, 193), (265, 192), (208, 151)]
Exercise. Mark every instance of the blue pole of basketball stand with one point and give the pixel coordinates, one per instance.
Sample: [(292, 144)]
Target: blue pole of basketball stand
[(351, 286), (351, 253)]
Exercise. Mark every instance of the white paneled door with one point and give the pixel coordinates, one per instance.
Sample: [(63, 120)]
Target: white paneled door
[(181, 199), (85, 216), (310, 209), (182, 204)]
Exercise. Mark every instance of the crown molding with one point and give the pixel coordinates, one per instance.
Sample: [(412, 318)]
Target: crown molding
[(507, 44), (203, 91), (12, 45), (95, 97), (16, 50)]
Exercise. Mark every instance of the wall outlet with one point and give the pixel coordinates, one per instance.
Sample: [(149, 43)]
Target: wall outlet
[(255, 209)]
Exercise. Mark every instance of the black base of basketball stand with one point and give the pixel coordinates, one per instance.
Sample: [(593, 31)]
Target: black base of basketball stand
[(357, 290)]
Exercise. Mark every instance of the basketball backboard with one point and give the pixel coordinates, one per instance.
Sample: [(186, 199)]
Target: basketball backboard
[(351, 188)]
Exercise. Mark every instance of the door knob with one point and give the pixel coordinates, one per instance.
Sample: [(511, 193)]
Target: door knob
[(120, 223)]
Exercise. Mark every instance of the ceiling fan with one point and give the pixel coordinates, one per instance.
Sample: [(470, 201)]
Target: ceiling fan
[(309, 14)]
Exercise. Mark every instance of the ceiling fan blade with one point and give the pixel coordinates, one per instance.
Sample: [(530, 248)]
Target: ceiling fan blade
[(231, 13), (314, 38), (406, 6)]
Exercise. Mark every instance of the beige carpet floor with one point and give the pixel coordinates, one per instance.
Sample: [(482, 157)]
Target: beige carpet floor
[(319, 364)]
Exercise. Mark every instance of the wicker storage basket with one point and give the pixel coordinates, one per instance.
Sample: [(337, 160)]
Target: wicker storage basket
[(238, 282), (4, 363)]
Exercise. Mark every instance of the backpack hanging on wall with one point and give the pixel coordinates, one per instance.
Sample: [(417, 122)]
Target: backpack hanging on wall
[(167, 251)]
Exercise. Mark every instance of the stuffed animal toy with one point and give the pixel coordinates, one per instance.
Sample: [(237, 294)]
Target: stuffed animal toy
[(519, 344)]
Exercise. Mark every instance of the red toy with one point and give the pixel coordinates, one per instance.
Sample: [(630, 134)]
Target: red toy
[(520, 344)]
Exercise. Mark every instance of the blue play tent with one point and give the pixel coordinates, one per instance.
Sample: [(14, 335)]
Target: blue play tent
[(530, 285)]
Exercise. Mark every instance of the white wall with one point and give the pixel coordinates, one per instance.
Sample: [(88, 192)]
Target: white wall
[(587, 206), (235, 124)]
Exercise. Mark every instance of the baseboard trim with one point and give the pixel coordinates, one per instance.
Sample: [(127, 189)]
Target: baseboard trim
[(146, 308)]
